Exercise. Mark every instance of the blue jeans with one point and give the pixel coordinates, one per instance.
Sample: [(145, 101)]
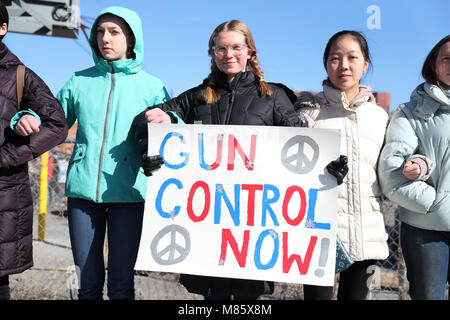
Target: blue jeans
[(87, 226), (426, 254)]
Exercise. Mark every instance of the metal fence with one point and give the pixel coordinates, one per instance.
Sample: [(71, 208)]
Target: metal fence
[(388, 280)]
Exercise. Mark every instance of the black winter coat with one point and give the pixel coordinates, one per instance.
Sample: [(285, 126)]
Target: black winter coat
[(240, 104), (16, 206)]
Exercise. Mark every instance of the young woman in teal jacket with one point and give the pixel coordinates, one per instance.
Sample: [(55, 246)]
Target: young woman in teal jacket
[(414, 172), (106, 185)]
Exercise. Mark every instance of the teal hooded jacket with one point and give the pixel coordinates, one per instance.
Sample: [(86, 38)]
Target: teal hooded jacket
[(105, 165)]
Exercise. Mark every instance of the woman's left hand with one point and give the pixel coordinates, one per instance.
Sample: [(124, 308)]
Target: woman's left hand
[(156, 115), (338, 168)]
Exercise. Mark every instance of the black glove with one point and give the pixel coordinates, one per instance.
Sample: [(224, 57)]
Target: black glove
[(338, 168), (151, 163)]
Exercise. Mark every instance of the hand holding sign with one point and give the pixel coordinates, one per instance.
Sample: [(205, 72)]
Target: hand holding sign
[(338, 168)]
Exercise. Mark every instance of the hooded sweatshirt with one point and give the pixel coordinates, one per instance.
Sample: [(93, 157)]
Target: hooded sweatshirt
[(419, 127), (360, 223), (105, 166)]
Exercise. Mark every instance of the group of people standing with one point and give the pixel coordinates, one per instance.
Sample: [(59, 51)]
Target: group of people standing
[(404, 158)]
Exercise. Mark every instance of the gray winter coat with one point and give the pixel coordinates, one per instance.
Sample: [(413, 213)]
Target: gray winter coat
[(421, 126)]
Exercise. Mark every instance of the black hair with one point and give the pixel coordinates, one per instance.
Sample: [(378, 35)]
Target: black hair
[(4, 17), (348, 33)]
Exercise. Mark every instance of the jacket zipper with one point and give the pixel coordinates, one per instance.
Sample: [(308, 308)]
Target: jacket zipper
[(359, 208), (230, 108), (104, 134)]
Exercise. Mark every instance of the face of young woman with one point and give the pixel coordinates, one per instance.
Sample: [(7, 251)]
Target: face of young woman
[(231, 53), (443, 65), (112, 39), (346, 65)]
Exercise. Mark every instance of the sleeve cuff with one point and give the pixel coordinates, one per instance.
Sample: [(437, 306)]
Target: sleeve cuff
[(425, 164), (19, 114)]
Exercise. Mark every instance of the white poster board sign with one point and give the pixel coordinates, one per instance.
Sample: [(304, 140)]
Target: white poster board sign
[(242, 202)]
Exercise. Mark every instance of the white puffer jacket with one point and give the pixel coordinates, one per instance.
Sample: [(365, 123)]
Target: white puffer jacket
[(362, 123)]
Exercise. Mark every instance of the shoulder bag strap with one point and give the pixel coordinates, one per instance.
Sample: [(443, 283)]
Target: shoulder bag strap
[(20, 83)]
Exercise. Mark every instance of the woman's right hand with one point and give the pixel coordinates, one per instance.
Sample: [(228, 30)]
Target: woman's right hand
[(411, 170), (338, 168), (156, 115)]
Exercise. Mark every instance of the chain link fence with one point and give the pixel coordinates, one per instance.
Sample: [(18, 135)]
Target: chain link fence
[(54, 276), (390, 281)]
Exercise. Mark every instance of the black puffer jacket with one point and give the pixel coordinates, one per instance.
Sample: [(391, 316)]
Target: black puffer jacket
[(16, 207), (240, 104)]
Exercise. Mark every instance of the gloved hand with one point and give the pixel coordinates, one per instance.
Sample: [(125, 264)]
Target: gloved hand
[(151, 163), (338, 168)]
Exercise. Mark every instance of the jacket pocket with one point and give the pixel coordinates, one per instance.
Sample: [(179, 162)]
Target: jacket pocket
[(128, 159), (441, 204), (79, 152), (130, 163)]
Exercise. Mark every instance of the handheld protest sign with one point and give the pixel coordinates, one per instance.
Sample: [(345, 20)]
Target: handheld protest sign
[(242, 202)]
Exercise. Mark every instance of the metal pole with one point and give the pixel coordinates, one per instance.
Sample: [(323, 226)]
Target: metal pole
[(43, 185)]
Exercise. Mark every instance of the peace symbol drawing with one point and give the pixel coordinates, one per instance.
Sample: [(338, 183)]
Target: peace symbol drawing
[(305, 156), (173, 252)]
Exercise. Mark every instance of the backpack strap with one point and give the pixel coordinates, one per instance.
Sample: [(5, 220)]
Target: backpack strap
[(20, 82)]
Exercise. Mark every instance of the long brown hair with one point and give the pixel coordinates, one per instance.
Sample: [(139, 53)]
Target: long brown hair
[(264, 89), (429, 66)]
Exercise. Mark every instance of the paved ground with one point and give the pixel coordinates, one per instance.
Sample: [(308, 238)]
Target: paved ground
[(53, 276)]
